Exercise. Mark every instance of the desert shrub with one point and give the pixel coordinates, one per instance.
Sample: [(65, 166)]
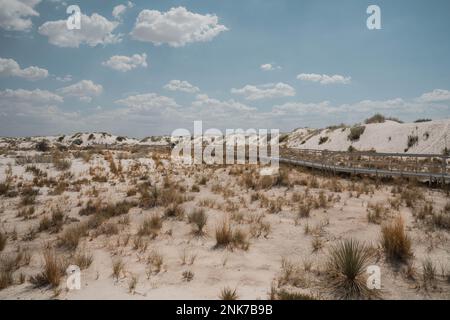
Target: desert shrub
[(284, 294), (118, 267), (195, 188), (395, 241), (377, 118), (155, 260), (304, 209), (412, 141), (228, 294), (376, 213), (356, 132), (346, 265), (72, 235), (422, 120), (322, 140), (28, 196), (174, 211), (2, 241), (351, 149), (53, 224), (428, 271), (199, 218), (83, 259), (223, 234), (188, 275), (150, 226), (53, 270), (42, 146), (240, 239)]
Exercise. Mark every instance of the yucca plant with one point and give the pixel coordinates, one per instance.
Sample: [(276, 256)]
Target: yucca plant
[(346, 266), (228, 294)]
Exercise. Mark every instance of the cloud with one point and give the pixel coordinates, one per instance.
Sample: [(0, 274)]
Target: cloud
[(265, 91), (95, 30), (437, 95), (29, 96), (9, 67), (84, 90), (269, 67), (124, 63), (66, 78), (214, 105), (324, 79), (147, 102), (16, 15), (184, 86), (119, 10), (176, 27)]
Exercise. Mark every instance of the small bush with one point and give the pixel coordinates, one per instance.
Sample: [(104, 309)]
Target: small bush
[(228, 294), (42, 146), (2, 241), (53, 270), (377, 118), (395, 241), (72, 235), (322, 140), (412, 141), (150, 226), (117, 268), (174, 211), (356, 132), (422, 120), (224, 234), (199, 218)]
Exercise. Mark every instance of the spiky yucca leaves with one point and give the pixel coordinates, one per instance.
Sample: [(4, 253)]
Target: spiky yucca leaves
[(228, 294), (346, 266)]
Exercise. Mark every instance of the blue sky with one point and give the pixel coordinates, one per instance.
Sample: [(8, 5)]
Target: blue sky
[(322, 65)]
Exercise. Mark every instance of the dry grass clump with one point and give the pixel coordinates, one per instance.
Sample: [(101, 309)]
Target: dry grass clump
[(284, 294), (153, 197), (132, 284), (53, 224), (3, 240), (227, 237), (118, 266), (9, 264), (174, 211), (224, 234), (150, 226), (71, 236), (188, 275), (395, 241), (60, 162), (346, 266), (228, 294), (53, 270), (376, 213), (427, 213), (155, 261), (83, 259), (428, 272), (258, 227), (28, 196), (199, 218)]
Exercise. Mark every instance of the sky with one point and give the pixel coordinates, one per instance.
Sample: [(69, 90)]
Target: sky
[(141, 68)]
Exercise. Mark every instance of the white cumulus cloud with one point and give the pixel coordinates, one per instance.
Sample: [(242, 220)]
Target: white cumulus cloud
[(119, 10), (324, 79), (269, 67), (147, 102), (176, 27), (125, 63), (9, 67), (16, 14), (184, 86), (84, 90), (437, 95), (266, 91), (95, 30)]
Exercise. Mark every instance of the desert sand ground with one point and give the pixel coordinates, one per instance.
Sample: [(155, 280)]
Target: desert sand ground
[(131, 220)]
